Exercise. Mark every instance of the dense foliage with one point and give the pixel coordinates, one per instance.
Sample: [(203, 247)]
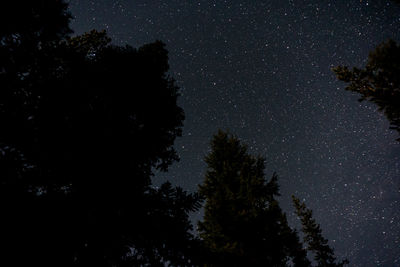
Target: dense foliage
[(83, 125)]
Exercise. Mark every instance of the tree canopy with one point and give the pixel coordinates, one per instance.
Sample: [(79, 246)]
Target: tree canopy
[(84, 124)]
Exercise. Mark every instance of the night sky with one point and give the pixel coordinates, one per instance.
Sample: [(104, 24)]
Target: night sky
[(262, 70)]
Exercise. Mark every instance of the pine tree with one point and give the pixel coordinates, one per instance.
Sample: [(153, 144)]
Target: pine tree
[(379, 81), (324, 254), (243, 223)]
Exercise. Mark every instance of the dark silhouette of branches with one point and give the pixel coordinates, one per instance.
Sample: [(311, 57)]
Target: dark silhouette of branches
[(379, 81), (324, 254), (84, 124)]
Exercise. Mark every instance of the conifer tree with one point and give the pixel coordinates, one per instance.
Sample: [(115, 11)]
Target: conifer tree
[(379, 81), (243, 223), (324, 254)]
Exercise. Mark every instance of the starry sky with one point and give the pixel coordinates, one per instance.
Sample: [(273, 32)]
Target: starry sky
[(262, 70)]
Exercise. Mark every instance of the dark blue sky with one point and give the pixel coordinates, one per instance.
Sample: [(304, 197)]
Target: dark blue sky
[(261, 69)]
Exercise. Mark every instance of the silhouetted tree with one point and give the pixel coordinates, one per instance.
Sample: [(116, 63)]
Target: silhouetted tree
[(243, 224), (29, 31), (379, 81), (84, 123), (324, 254)]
